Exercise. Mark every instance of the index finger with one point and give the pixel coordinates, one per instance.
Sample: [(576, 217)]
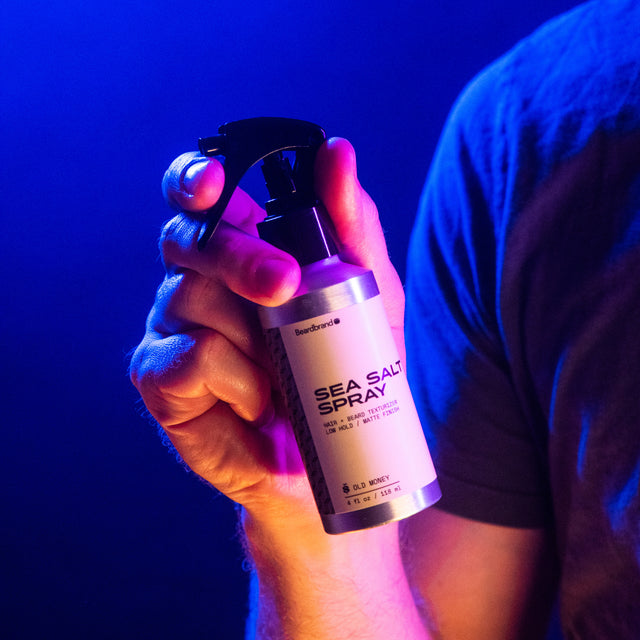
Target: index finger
[(193, 182)]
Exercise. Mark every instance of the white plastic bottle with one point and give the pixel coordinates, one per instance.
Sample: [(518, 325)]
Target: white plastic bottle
[(349, 400), (331, 344)]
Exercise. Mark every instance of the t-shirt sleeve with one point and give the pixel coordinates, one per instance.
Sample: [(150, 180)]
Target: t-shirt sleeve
[(490, 464)]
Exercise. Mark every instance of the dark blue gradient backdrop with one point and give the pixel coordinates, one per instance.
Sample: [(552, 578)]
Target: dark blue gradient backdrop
[(102, 534)]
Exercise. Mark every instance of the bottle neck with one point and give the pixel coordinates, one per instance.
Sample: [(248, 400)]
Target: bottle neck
[(306, 234)]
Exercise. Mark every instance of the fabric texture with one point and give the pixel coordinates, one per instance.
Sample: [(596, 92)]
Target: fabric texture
[(523, 316)]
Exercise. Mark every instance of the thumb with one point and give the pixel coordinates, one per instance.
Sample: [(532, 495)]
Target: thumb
[(356, 221)]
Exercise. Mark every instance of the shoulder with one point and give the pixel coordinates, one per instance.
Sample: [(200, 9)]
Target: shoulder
[(539, 105), (584, 61)]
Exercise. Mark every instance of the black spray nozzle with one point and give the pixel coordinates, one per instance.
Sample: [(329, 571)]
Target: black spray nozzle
[(307, 233), (278, 176), (243, 143)]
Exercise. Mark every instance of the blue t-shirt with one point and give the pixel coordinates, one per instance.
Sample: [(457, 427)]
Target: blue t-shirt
[(523, 317)]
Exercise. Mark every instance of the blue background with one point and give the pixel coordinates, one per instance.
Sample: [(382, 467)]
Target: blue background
[(102, 534)]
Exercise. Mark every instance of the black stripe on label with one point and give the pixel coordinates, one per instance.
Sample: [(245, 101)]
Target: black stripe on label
[(299, 421)]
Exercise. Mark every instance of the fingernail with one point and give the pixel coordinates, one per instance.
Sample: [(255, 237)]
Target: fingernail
[(191, 176), (272, 274)]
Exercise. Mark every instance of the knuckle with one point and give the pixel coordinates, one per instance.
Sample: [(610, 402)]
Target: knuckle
[(164, 369), (212, 347), (234, 252), (168, 229), (135, 365), (168, 234), (175, 237), (179, 294)]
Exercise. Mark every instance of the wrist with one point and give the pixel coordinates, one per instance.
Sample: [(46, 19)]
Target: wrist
[(315, 585), (293, 531)]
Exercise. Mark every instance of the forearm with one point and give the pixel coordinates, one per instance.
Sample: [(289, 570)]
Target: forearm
[(314, 586)]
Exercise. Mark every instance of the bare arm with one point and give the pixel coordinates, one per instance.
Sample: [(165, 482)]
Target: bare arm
[(480, 580), (203, 371), (204, 374), (349, 586)]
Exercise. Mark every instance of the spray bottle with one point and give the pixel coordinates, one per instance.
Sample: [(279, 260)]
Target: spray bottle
[(339, 370)]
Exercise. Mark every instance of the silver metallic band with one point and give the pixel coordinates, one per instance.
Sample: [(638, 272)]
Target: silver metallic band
[(396, 509), (321, 301)]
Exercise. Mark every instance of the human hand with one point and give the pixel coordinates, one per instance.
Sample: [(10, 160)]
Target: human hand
[(202, 367)]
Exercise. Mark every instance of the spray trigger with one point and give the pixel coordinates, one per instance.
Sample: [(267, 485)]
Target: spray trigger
[(243, 143)]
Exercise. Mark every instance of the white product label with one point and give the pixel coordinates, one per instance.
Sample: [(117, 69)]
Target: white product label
[(357, 401)]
